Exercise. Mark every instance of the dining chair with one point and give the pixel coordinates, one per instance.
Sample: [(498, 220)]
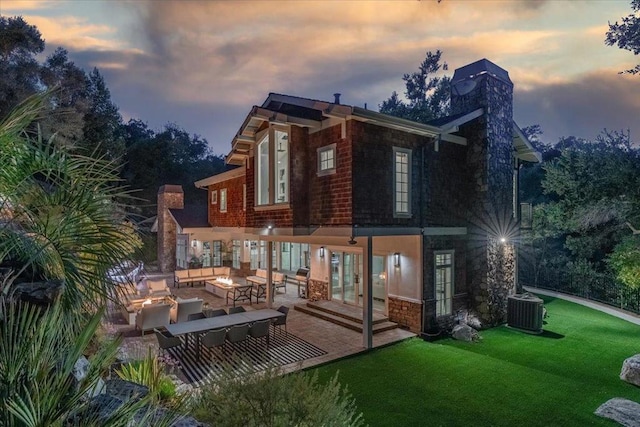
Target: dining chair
[(260, 330), (282, 320), (217, 312), (214, 339), (238, 309), (166, 340), (237, 334), (196, 316)]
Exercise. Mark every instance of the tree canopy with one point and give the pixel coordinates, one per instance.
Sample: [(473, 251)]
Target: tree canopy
[(626, 35), (427, 93)]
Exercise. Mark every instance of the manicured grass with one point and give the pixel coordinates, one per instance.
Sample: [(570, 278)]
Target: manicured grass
[(510, 378)]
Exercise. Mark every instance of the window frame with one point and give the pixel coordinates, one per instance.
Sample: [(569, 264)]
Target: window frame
[(452, 266), (324, 149), (396, 212), (223, 199), (214, 197), (274, 172)]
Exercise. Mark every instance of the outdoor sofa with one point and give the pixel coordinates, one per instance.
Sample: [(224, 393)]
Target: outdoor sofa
[(199, 275)]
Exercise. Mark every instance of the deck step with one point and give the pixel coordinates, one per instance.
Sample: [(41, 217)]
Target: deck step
[(311, 310), (349, 313)]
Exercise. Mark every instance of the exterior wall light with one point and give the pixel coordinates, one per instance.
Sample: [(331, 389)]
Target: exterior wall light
[(503, 239), (321, 251), (194, 243), (396, 259)]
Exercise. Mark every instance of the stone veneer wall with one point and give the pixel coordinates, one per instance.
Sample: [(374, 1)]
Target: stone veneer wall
[(490, 165), (169, 197), (317, 290), (406, 313), (244, 270)]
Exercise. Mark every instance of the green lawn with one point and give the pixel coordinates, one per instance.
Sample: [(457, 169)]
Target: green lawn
[(509, 379)]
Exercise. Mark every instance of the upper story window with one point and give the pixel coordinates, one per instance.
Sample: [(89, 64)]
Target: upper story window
[(272, 171), (223, 200), (327, 160), (214, 197), (401, 182)]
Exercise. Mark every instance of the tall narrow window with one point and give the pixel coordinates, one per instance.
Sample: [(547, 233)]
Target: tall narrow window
[(235, 253), (214, 197), (263, 171), (402, 182), (244, 197), (281, 166), (272, 168), (444, 282), (223, 200)]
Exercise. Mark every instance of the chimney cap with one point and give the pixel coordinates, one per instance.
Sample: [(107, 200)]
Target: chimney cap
[(480, 67), (336, 97)]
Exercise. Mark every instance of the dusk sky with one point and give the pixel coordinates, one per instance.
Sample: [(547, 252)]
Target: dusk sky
[(204, 64)]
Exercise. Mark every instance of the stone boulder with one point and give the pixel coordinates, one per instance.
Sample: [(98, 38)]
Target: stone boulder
[(623, 411), (464, 333), (80, 371), (631, 370)]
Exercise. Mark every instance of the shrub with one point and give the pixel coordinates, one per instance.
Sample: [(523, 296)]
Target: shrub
[(150, 373), (269, 398)]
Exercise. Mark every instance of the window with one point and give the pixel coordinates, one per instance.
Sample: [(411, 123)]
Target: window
[(263, 171), (443, 282), (327, 160), (244, 197), (217, 253), (272, 171), (402, 182), (214, 197), (235, 253), (223, 200)]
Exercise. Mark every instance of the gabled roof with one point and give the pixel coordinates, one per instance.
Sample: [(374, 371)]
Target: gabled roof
[(192, 216), (224, 176), (315, 114), (524, 150)]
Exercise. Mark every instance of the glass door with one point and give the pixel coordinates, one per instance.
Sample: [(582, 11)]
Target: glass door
[(346, 272)]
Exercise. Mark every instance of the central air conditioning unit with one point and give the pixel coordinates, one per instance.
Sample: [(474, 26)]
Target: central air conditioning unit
[(525, 311)]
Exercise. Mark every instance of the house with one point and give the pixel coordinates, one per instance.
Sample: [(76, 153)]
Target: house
[(414, 220)]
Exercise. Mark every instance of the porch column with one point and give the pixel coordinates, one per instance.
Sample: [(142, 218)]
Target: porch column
[(367, 295), (269, 273)]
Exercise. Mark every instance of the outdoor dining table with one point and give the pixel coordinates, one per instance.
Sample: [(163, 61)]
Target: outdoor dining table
[(202, 325)]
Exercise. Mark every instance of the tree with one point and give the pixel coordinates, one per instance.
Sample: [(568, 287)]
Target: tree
[(427, 95), (594, 189), (61, 223), (102, 131), (626, 35), (68, 100), (19, 69)]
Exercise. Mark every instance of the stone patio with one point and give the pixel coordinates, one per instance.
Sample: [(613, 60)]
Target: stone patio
[(337, 341)]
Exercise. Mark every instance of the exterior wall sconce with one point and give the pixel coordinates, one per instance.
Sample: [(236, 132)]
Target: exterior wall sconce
[(503, 239), (396, 259), (194, 243), (321, 251)]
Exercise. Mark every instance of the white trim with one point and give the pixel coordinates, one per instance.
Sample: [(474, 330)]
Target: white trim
[(221, 177), (400, 298), (225, 199), (444, 231), (326, 149), (452, 290)]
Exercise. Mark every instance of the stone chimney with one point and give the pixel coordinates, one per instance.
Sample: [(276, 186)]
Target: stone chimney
[(169, 197), (491, 258)]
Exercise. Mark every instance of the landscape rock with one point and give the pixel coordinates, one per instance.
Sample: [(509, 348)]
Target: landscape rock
[(465, 333), (80, 370), (623, 411), (631, 370)]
